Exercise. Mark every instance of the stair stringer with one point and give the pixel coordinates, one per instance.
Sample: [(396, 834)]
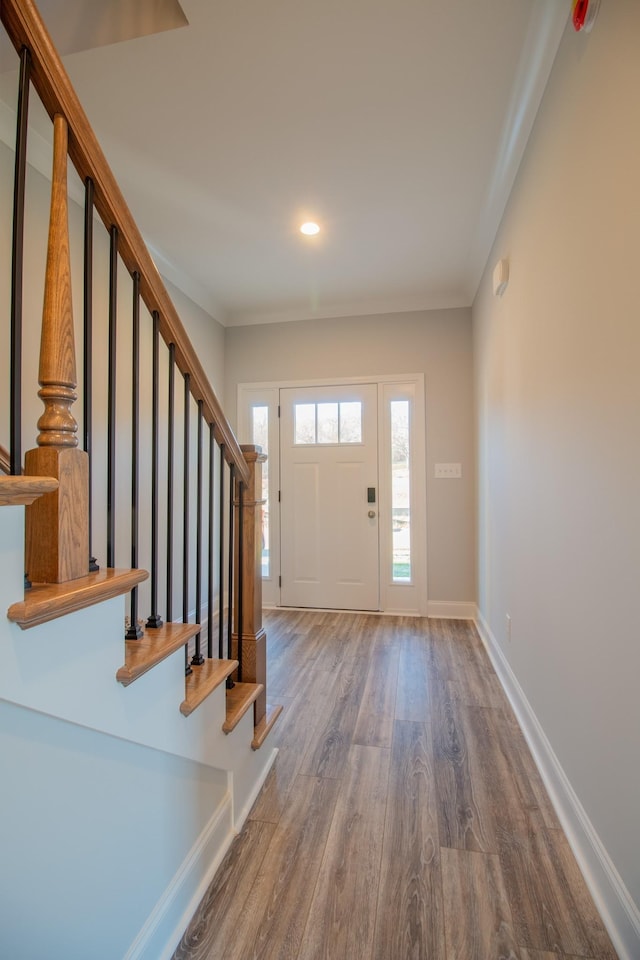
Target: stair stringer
[(66, 668)]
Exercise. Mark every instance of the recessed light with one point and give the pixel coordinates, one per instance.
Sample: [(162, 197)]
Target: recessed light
[(310, 229)]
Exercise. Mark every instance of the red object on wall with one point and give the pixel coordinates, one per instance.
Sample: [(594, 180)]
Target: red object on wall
[(579, 15), (584, 13)]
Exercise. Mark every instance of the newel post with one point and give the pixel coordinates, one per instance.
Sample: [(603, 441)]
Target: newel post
[(57, 525), (254, 638)]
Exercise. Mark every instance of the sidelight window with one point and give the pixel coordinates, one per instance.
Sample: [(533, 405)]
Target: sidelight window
[(260, 435), (400, 490)]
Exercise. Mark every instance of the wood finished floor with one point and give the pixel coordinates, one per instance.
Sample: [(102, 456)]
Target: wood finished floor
[(404, 818)]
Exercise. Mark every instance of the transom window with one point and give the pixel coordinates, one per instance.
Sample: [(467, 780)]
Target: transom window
[(331, 422)]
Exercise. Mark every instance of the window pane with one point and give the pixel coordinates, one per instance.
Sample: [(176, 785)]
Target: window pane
[(260, 434), (400, 492), (328, 423), (261, 426), (305, 423), (351, 422)]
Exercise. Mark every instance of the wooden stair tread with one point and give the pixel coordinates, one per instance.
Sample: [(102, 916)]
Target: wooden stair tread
[(239, 699), (154, 646), (263, 728), (203, 680), (46, 601), (21, 491)]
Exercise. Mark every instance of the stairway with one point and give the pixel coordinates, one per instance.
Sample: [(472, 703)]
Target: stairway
[(63, 713)]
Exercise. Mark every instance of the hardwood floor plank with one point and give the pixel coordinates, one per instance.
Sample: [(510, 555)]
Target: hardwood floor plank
[(476, 682), (540, 955), (328, 750), (342, 917), (562, 856), (464, 820), (520, 747), (409, 920), (545, 913), (477, 916), (294, 733), (278, 903), (412, 690), (221, 909), (505, 795), (374, 724)]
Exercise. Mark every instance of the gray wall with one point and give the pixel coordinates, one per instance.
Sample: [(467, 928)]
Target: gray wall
[(437, 343), (93, 831), (558, 399)]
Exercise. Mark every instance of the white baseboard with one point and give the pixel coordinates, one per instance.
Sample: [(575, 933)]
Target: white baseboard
[(451, 609), (159, 937), (170, 917), (251, 799), (619, 913)]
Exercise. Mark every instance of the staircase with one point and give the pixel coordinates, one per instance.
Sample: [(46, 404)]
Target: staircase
[(137, 518)]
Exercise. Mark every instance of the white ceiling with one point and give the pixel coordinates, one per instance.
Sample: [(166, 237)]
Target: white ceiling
[(397, 124)]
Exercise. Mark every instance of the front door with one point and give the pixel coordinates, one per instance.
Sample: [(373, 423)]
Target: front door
[(329, 497)]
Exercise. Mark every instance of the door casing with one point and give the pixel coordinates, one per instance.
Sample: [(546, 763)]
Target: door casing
[(399, 598)]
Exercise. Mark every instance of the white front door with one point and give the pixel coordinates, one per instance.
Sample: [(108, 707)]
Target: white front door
[(329, 497)]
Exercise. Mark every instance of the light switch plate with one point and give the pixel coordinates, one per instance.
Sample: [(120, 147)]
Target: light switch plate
[(448, 471)]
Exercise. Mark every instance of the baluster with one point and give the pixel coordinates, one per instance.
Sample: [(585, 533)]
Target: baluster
[(197, 658), (111, 397), (133, 631), (154, 620), (232, 472), (17, 263), (240, 577), (57, 527), (221, 559), (87, 416), (210, 544), (185, 519), (170, 455)]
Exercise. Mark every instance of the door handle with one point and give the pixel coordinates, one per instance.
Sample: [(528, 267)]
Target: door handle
[(371, 514)]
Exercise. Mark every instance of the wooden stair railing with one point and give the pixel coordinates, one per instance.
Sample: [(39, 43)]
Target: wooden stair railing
[(48, 76), (60, 520)]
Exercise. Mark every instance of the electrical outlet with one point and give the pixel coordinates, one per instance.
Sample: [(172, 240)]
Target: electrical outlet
[(508, 628), (448, 471)]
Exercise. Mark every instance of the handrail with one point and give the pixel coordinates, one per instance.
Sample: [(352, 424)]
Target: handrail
[(48, 76)]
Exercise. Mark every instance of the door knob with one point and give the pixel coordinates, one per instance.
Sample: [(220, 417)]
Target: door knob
[(371, 514)]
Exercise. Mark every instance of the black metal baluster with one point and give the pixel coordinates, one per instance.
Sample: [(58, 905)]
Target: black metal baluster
[(87, 416), (154, 619), (232, 473), (185, 521), (170, 455), (240, 572), (210, 545), (17, 264), (134, 632), (197, 658), (111, 398), (221, 560)]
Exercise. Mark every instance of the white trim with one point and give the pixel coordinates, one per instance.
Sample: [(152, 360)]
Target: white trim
[(180, 900), (619, 913), (547, 23), (267, 391), (332, 381), (451, 609), (253, 796)]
